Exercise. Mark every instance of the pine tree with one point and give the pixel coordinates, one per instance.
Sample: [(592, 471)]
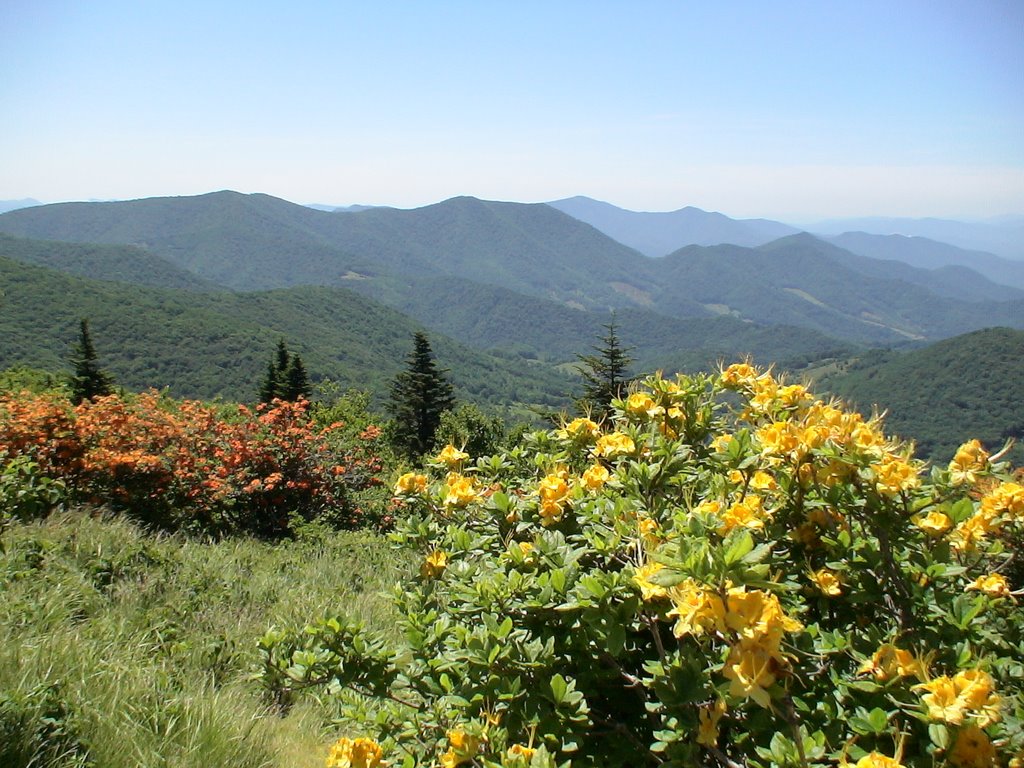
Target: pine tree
[(296, 381), (605, 374), (419, 395), (88, 380)]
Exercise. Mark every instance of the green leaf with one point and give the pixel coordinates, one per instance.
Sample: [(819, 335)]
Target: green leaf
[(559, 688)]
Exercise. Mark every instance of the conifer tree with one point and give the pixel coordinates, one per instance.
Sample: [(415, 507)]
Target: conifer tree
[(296, 384), (88, 380), (419, 395), (605, 374)]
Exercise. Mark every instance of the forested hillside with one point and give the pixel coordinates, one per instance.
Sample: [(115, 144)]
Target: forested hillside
[(968, 386), (218, 344)]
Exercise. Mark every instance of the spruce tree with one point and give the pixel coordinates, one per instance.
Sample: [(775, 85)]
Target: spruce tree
[(419, 395), (296, 383), (605, 374), (88, 380)]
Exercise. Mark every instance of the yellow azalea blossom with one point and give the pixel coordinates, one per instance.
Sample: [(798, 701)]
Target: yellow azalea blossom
[(878, 760), (595, 477), (738, 374), (889, 662), (747, 513), (793, 394), (827, 582), (1006, 499), (895, 475), (708, 507), (778, 438), (973, 530), (648, 589), (579, 429), (434, 564), (762, 481), (354, 753), (935, 523), (721, 442), (751, 668), (756, 614), (411, 483), (993, 585), (650, 531), (464, 747), (550, 513), (526, 547), (451, 456), (614, 444), (709, 715), (970, 691), (973, 749), (553, 488), (461, 491), (696, 609), (640, 404), (970, 459), (942, 700)]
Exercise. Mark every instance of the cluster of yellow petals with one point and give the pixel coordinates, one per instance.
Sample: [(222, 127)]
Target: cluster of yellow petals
[(519, 755), (554, 495), (462, 748), (642, 404), (1004, 502), (451, 456), (973, 749), (748, 512), (709, 716), (935, 523), (614, 444), (827, 582), (579, 429), (895, 475), (411, 483), (969, 693), (739, 375), (993, 585), (970, 459), (648, 589), (460, 492), (433, 565), (354, 753), (889, 662), (594, 477)]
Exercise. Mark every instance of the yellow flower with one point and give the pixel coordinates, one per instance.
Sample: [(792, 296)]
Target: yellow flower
[(461, 491), (752, 668), (709, 715), (550, 513), (553, 488), (935, 523), (721, 443), (648, 589), (520, 755), (1006, 499), (758, 615), (463, 747), (434, 564), (973, 749), (747, 513), (895, 475), (738, 374), (451, 456), (595, 477), (827, 582), (778, 438), (354, 753), (411, 483), (696, 609), (878, 760), (970, 459), (942, 700), (889, 662), (579, 429), (762, 481), (993, 585), (640, 404), (614, 444)]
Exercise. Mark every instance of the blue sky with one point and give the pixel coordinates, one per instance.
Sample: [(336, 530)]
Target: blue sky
[(793, 110)]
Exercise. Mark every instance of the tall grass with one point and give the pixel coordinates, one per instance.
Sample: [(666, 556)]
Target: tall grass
[(125, 649)]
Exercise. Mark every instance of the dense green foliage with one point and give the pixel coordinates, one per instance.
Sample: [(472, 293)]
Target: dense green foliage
[(968, 386)]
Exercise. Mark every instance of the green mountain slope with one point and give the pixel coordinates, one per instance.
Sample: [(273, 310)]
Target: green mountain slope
[(801, 280), (121, 263), (217, 344), (970, 386)]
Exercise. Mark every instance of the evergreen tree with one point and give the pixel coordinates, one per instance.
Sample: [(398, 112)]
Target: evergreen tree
[(88, 380), (605, 374), (268, 388), (296, 384), (419, 395)]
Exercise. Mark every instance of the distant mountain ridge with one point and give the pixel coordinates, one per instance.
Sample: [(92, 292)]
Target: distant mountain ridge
[(258, 242), (660, 233), (1003, 237)]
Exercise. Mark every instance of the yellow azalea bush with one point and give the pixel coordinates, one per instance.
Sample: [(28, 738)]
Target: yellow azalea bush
[(728, 572)]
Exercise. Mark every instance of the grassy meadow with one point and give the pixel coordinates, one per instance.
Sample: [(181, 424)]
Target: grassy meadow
[(125, 649)]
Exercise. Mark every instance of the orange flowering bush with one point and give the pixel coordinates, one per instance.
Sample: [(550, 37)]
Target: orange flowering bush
[(730, 572), (184, 464)]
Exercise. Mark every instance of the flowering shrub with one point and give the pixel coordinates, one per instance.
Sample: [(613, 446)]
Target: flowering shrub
[(730, 572), (184, 464)]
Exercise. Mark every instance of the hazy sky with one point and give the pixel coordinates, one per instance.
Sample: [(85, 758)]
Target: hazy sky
[(791, 110)]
